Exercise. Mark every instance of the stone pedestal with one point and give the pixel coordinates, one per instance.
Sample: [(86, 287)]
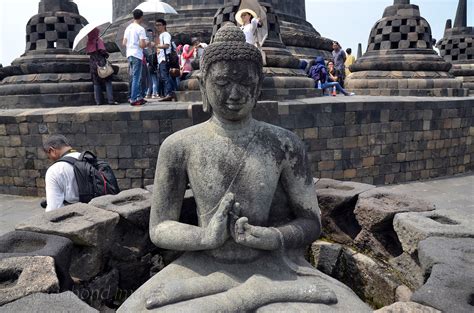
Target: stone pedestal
[(400, 60), (50, 73), (457, 47)]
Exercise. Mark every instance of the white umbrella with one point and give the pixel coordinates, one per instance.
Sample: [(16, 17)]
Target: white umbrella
[(80, 41), (156, 6)]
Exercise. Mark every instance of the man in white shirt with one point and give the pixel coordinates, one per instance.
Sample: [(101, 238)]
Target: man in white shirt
[(163, 43), (135, 40), (61, 185)]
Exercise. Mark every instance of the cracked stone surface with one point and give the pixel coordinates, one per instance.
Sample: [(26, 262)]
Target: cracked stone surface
[(22, 276)]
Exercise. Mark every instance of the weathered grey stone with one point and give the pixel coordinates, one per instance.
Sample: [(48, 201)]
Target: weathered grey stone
[(84, 224), (325, 256), (408, 269), (132, 205), (370, 280), (412, 228), (22, 276), (102, 288), (377, 207), (449, 264), (407, 307), (22, 243), (447, 289), (234, 165), (66, 302), (403, 294), (337, 201), (375, 210), (86, 262)]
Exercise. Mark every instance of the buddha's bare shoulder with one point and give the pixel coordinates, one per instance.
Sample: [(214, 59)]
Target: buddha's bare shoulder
[(276, 133)]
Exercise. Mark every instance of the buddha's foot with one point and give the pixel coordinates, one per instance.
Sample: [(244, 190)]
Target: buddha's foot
[(191, 288)]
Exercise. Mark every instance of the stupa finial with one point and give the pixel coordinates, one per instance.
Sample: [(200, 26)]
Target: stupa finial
[(461, 14)]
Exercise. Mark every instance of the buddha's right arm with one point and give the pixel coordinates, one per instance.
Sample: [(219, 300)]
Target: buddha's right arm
[(174, 235)]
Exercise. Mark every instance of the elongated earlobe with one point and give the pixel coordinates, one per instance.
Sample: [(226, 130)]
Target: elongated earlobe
[(205, 102)]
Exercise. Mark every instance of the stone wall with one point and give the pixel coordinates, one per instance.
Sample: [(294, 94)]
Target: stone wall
[(376, 140)]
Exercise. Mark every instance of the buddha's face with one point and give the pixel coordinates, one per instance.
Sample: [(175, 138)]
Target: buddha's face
[(232, 88)]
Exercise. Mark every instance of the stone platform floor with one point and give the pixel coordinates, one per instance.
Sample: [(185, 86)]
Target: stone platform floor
[(456, 192)]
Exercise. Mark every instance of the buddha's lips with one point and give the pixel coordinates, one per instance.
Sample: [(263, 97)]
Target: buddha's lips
[(234, 106)]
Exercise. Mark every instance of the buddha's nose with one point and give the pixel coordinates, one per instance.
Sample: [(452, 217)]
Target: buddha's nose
[(235, 93)]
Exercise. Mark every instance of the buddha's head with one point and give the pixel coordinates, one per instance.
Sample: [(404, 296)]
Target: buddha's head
[(231, 75)]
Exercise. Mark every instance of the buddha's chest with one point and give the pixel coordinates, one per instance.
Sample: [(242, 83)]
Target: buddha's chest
[(251, 174)]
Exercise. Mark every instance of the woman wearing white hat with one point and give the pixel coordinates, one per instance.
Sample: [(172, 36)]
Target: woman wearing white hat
[(249, 21)]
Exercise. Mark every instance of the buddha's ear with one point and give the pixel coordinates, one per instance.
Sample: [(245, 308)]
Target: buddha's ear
[(205, 102), (259, 89)]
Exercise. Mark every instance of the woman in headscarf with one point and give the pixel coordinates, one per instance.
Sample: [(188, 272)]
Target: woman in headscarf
[(98, 55), (186, 58)]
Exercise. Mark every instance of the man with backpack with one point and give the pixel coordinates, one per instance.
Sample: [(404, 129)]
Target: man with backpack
[(74, 176), (165, 59)]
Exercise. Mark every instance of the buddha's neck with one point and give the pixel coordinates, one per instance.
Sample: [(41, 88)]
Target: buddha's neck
[(232, 126)]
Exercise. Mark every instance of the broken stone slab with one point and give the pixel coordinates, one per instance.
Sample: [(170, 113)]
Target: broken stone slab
[(22, 276), (84, 224), (448, 289), (370, 280), (376, 208), (407, 307), (325, 255), (449, 265), (66, 302), (86, 262), (133, 205), (337, 201), (455, 252), (24, 243), (408, 270), (102, 288), (414, 227)]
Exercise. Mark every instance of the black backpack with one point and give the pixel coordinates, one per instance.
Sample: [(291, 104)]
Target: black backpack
[(94, 177), (172, 57)]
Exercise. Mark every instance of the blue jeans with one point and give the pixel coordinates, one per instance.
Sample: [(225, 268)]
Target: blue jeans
[(152, 82), (332, 84), (135, 78), (166, 79)]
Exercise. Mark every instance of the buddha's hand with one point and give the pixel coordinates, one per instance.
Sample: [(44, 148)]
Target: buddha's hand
[(264, 238), (216, 232)]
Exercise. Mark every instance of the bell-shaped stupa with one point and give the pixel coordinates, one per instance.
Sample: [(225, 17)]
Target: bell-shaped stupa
[(50, 73), (400, 60), (457, 47), (284, 80)]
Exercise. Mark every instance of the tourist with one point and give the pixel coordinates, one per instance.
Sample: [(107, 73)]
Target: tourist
[(152, 66), (187, 57), (323, 78), (135, 40), (98, 57), (250, 22), (61, 185), (163, 43), (350, 59), (339, 57)]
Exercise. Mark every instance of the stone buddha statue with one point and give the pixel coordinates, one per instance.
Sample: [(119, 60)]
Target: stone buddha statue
[(256, 205)]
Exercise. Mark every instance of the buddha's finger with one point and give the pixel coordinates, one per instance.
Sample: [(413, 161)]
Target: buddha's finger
[(240, 227)]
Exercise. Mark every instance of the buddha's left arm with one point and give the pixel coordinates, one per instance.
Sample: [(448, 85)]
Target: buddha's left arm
[(298, 183)]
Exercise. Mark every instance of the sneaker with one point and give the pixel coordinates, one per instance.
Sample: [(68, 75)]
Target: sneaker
[(113, 103), (350, 94), (148, 96), (136, 103), (155, 97), (143, 101)]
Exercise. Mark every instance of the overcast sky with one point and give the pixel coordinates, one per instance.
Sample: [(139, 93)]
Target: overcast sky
[(348, 21)]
